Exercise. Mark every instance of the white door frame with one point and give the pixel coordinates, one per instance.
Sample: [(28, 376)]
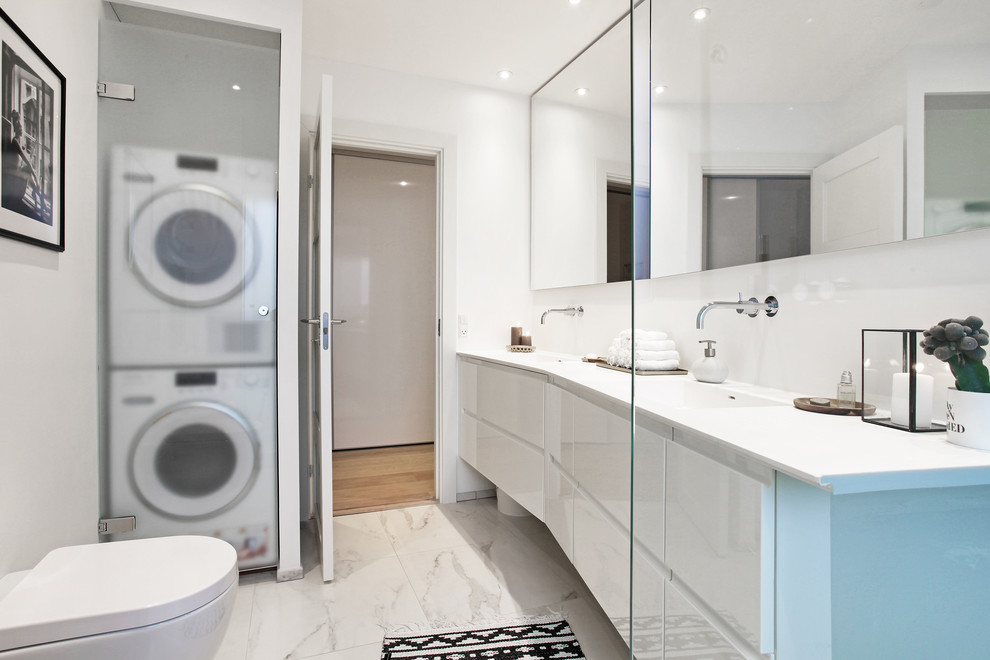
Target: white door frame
[(443, 148)]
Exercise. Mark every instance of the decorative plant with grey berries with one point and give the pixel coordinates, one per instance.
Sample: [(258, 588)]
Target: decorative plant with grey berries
[(959, 343)]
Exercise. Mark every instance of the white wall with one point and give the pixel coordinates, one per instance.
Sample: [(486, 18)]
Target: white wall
[(48, 335), (825, 301)]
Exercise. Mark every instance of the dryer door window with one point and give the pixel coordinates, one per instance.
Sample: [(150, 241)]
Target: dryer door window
[(193, 245), (194, 461)]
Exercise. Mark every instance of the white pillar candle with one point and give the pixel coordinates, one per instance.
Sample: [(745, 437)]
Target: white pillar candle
[(899, 395)]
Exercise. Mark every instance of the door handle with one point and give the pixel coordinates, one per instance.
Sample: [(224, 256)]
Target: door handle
[(317, 321)]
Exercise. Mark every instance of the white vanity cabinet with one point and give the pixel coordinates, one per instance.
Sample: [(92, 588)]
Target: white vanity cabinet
[(501, 428), (720, 537)]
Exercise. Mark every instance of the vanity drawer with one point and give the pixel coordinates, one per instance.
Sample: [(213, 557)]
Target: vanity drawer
[(602, 442), (506, 398), (688, 634), (560, 507), (512, 465), (719, 538), (601, 557)]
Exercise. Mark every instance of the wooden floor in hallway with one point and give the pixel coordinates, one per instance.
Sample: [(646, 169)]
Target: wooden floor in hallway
[(382, 478)]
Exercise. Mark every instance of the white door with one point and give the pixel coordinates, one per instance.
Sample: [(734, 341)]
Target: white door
[(857, 198), (321, 304)]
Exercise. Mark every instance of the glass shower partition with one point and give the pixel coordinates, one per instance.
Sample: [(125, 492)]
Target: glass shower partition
[(648, 572), (188, 141)]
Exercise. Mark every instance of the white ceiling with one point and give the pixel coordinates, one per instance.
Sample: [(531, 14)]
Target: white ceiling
[(467, 41), (773, 50)]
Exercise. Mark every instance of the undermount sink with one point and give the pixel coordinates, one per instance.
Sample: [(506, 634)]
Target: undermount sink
[(538, 357), (683, 393)]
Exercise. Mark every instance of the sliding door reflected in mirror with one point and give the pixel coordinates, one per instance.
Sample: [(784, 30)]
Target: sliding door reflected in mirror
[(957, 162)]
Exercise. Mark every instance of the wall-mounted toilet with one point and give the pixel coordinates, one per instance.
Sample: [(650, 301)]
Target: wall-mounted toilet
[(146, 599)]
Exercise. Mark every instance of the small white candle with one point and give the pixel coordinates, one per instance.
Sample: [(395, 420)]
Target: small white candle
[(899, 395)]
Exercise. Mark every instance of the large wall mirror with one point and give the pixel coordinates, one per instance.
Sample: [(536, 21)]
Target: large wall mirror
[(794, 127)]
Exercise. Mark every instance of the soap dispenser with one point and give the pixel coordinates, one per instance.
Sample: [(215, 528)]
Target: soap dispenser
[(709, 369)]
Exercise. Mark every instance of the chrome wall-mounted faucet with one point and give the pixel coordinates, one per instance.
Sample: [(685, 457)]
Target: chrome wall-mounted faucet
[(570, 311), (752, 307)]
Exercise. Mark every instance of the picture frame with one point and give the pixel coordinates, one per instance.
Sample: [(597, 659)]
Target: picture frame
[(32, 142)]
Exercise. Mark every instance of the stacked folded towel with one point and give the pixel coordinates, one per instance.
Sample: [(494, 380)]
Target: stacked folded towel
[(653, 351)]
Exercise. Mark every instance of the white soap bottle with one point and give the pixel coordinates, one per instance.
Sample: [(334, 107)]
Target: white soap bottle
[(709, 369)]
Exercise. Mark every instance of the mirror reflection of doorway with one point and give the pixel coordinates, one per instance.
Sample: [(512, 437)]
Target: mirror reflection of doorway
[(749, 219), (385, 356)]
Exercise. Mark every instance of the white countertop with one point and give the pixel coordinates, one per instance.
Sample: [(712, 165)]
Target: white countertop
[(842, 454)]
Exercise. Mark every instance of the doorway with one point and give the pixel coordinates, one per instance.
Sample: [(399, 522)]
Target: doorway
[(385, 364)]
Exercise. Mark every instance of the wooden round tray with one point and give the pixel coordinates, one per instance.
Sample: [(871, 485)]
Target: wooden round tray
[(804, 403)]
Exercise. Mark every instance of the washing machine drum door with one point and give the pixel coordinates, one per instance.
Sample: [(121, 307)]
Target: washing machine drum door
[(194, 461), (193, 245)]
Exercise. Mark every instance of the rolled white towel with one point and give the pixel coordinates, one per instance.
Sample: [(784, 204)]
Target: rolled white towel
[(645, 335), (657, 365), (645, 356), (655, 345), (650, 335)]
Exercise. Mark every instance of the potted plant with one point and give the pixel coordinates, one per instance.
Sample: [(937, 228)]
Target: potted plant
[(960, 344)]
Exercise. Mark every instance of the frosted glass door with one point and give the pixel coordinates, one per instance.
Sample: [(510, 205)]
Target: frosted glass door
[(188, 245), (384, 284)]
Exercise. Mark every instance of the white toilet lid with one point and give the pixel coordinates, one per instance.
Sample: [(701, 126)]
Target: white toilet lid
[(105, 587)]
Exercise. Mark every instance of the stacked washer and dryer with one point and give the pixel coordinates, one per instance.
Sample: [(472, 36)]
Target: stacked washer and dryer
[(190, 290)]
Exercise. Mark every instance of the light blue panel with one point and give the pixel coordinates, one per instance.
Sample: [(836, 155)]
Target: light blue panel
[(911, 574), (803, 586)]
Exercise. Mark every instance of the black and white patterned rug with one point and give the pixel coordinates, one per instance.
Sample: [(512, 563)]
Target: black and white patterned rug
[(536, 640)]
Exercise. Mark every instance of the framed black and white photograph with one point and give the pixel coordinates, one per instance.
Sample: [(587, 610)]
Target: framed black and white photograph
[(32, 132)]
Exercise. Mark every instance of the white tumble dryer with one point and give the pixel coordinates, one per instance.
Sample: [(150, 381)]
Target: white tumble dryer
[(190, 259), (193, 452)]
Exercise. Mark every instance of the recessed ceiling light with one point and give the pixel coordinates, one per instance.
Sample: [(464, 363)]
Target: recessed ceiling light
[(403, 183), (700, 14), (236, 88), (504, 74), (581, 91), (575, 2), (660, 89)]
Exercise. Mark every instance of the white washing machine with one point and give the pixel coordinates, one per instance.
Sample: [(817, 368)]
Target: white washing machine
[(191, 259), (193, 452)]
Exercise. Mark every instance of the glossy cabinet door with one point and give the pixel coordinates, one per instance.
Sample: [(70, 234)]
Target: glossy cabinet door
[(559, 506), (512, 465), (688, 634), (601, 556), (649, 452), (511, 399), (719, 538), (501, 429), (647, 598), (603, 455)]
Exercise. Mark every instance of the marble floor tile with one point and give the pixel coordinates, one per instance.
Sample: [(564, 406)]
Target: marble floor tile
[(471, 584), (307, 617), (360, 537), (431, 566), (369, 652), (234, 645), (432, 527)]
